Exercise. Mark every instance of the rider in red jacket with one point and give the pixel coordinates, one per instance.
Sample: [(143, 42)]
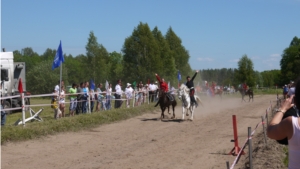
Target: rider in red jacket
[(245, 87), (163, 84)]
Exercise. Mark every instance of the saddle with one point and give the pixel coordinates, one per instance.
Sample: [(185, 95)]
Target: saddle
[(170, 97)]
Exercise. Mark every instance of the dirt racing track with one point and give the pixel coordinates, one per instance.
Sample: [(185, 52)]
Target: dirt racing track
[(146, 142)]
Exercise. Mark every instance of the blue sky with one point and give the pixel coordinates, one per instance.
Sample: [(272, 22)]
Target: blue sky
[(216, 33)]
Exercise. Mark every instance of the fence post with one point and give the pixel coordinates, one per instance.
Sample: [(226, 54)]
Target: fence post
[(133, 98), (267, 116), (227, 164), (148, 96), (264, 131), (89, 103), (250, 147), (236, 147), (23, 109)]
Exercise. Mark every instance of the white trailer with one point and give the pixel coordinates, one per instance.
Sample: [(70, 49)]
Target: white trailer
[(11, 72)]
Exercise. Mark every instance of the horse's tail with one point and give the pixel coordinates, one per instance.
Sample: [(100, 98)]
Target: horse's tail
[(198, 100)]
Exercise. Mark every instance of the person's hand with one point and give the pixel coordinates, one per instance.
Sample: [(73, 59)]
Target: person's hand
[(287, 104), (197, 71), (155, 74)]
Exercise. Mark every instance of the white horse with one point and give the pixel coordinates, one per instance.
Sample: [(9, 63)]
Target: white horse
[(184, 96)]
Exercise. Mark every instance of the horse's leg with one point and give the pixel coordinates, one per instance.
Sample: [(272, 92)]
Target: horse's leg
[(187, 109), (162, 113), (168, 109), (173, 107), (183, 112), (243, 98), (192, 108)]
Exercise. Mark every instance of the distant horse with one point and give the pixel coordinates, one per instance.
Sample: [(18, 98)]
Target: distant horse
[(248, 92), (219, 92), (184, 96), (165, 102)]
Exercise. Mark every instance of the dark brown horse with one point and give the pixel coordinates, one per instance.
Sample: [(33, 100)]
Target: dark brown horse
[(244, 93), (219, 92), (165, 102)]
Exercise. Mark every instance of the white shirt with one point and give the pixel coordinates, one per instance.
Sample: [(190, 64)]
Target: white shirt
[(92, 94), (56, 88), (152, 87), (128, 92), (62, 97), (294, 145), (108, 92), (172, 90), (118, 89)]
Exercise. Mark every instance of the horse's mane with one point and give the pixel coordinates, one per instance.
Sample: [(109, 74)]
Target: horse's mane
[(184, 87)]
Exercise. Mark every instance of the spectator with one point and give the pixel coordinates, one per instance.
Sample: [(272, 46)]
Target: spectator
[(289, 127), (118, 94), (129, 94), (79, 99), (92, 99), (73, 99), (108, 97), (140, 94), (99, 97), (55, 105), (285, 91), (152, 91), (56, 88), (62, 101), (173, 91), (84, 98), (291, 90), (87, 85), (3, 114), (145, 91), (156, 92)]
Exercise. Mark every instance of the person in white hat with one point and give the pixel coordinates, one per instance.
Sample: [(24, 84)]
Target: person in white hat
[(129, 94)]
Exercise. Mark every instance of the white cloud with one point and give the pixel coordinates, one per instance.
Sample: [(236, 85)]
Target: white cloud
[(234, 60), (255, 57), (206, 59), (275, 55)]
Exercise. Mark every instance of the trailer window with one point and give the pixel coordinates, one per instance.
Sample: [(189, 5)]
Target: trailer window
[(4, 75)]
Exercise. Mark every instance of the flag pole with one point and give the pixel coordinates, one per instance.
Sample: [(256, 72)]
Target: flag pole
[(60, 74)]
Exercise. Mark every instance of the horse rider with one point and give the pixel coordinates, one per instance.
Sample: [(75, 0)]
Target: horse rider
[(245, 87), (190, 85), (212, 88), (163, 87)]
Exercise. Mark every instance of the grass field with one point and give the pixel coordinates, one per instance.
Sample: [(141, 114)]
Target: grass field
[(49, 125)]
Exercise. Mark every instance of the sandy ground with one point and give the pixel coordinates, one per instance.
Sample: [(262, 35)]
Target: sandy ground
[(146, 142)]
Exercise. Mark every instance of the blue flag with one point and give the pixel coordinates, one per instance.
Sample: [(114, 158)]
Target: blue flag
[(92, 85), (59, 57), (179, 76)]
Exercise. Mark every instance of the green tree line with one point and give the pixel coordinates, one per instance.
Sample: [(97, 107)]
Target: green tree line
[(144, 53)]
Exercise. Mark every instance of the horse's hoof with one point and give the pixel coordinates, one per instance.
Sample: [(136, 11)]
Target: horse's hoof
[(190, 119)]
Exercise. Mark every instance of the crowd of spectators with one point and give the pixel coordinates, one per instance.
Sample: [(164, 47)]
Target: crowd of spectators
[(86, 97)]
